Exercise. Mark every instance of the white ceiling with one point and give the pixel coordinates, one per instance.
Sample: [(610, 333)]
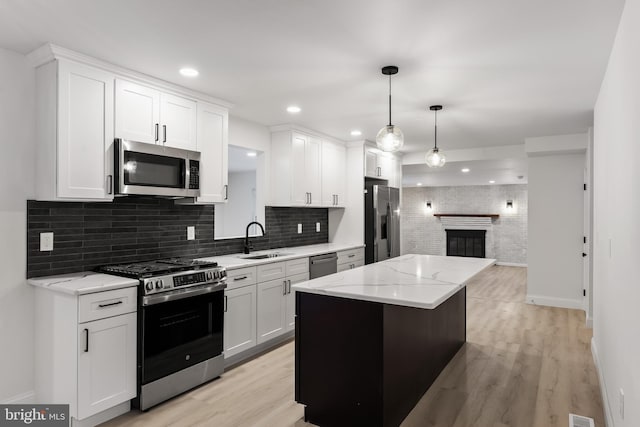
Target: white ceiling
[(502, 171), (503, 69)]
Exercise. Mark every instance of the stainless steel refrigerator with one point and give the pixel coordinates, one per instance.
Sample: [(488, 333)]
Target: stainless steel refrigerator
[(382, 223)]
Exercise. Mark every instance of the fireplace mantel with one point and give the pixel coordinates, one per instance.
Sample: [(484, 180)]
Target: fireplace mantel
[(492, 216)]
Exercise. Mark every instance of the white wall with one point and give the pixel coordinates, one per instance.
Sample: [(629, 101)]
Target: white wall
[(616, 292), (17, 127), (231, 219), (555, 232)]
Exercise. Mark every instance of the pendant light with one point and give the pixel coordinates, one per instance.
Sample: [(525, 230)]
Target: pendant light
[(390, 137), (435, 158)]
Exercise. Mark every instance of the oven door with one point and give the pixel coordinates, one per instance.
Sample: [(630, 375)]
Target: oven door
[(180, 333), (150, 169)]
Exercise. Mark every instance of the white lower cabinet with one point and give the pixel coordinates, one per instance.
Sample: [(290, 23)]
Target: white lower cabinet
[(86, 352), (271, 309), (106, 363), (290, 309), (239, 320), (350, 259)]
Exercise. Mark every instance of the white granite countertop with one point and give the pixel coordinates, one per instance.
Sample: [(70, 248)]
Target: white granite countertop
[(422, 281), (86, 282), (238, 261)]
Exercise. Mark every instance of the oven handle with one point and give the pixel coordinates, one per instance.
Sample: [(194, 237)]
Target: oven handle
[(182, 293)]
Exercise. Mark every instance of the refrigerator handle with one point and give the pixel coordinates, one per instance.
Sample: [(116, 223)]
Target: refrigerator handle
[(390, 231)]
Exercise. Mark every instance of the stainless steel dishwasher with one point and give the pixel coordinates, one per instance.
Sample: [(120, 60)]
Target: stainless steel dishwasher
[(321, 265)]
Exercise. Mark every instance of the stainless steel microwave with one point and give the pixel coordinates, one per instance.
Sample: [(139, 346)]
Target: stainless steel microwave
[(156, 170)]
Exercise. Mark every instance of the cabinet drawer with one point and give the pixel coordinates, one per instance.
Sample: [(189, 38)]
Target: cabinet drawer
[(271, 271), (297, 266), (350, 265), (101, 305), (240, 277), (351, 255)]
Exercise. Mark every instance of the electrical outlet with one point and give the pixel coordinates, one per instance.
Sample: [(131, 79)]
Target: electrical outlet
[(46, 242), (317, 227), (622, 404), (299, 228), (191, 233)]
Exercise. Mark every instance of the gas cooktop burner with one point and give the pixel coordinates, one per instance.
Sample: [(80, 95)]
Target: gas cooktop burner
[(140, 270)]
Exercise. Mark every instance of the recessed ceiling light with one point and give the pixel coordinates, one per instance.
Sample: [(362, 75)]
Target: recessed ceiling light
[(356, 133), (293, 109), (189, 72), (252, 154), (419, 184), (492, 182), (465, 170)]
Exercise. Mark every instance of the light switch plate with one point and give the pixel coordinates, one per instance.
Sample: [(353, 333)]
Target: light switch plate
[(191, 232), (317, 227), (46, 242), (299, 228)]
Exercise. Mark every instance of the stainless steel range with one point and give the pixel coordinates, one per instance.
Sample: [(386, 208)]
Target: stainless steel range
[(180, 325)]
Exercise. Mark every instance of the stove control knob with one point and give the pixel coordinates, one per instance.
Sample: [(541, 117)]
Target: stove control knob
[(149, 286), (159, 284), (215, 275), (223, 273), (209, 275)]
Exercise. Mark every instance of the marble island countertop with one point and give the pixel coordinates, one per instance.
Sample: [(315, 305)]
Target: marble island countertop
[(422, 281)]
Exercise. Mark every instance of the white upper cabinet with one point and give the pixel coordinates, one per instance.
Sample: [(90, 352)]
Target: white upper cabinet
[(148, 115), (382, 165), (213, 141), (137, 112), (74, 132), (333, 174), (295, 169)]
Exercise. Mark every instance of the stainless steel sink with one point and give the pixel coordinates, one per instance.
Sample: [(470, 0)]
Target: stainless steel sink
[(264, 256)]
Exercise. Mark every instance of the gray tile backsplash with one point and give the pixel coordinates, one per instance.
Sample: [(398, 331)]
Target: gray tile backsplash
[(132, 229)]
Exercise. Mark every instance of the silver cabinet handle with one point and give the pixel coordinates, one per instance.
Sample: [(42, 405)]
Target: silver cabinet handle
[(86, 340), (235, 279), (310, 198), (284, 287), (226, 304), (109, 184), (226, 192), (289, 283), (351, 256), (164, 133), (157, 131)]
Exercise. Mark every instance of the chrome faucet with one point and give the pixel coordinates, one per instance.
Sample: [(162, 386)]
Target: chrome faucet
[(248, 248)]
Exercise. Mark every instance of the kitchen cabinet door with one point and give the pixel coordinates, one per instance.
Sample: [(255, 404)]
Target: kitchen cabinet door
[(291, 299), (371, 163), (313, 173), (213, 142), (333, 174), (239, 320), (271, 309), (85, 133), (137, 112), (299, 189), (178, 122), (106, 363)]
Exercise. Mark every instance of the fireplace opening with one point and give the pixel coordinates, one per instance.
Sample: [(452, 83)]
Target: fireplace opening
[(469, 243)]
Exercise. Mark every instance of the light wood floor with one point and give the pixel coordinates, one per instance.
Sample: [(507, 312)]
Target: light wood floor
[(522, 366)]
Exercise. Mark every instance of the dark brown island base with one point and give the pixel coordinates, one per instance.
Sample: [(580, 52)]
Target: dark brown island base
[(359, 362)]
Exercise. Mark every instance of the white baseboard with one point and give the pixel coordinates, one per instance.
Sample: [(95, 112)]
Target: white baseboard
[(608, 418), (554, 302), (25, 398), (511, 264)]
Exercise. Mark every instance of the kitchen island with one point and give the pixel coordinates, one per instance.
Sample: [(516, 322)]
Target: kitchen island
[(370, 341)]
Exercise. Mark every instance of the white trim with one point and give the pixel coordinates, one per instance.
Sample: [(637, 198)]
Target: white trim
[(25, 398), (296, 128), (589, 322), (608, 418), (512, 264), (50, 52), (554, 302)]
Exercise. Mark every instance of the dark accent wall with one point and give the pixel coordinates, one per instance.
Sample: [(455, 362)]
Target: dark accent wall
[(132, 229)]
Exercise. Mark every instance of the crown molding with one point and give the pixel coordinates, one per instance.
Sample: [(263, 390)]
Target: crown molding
[(297, 128), (50, 52)]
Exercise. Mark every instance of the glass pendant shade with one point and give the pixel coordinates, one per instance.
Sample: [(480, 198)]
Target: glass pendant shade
[(435, 159), (390, 138)]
